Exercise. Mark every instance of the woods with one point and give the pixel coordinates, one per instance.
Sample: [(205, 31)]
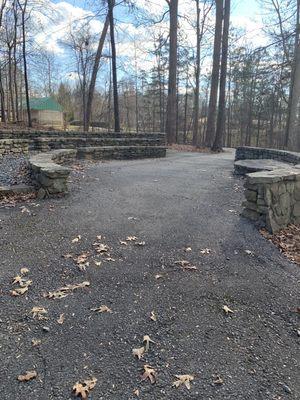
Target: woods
[(188, 70)]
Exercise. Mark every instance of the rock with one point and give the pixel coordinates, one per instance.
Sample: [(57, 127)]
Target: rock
[(41, 194), (251, 195)]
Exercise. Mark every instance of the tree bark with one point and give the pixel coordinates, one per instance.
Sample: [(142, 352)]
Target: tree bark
[(23, 12), (288, 130), (171, 121), (94, 75), (211, 118), (197, 88), (114, 65), (217, 146)]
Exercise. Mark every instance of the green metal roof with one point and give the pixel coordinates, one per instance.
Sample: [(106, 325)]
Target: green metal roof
[(44, 103)]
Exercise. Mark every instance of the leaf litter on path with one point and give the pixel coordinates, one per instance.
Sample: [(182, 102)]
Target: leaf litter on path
[(83, 388), (66, 290)]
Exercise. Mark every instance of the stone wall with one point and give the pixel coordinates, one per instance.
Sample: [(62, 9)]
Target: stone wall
[(13, 146), (273, 198), (255, 153), (120, 152)]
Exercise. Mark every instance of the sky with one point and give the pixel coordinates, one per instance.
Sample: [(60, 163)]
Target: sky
[(132, 40)]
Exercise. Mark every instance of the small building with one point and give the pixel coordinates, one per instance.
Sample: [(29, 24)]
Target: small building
[(45, 111)]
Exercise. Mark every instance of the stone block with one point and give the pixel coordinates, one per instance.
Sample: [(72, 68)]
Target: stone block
[(251, 195), (253, 215), (296, 210)]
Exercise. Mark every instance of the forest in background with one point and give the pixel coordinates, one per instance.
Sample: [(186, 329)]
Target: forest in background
[(207, 83)]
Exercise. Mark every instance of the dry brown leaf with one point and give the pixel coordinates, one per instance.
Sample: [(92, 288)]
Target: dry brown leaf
[(24, 271), (102, 309), (110, 259), (138, 352), (131, 238), (183, 380), (158, 276), (188, 249), (76, 239), (98, 263), (147, 340), (153, 316), (19, 291), (142, 243), (83, 388), (101, 248), (99, 237), (227, 310), (66, 290), (123, 243), (205, 251), (27, 376), (39, 313), (218, 380), (36, 342), (186, 265), (149, 373), (136, 392), (61, 319)]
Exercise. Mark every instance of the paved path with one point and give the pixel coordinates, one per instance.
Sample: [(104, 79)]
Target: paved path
[(185, 200)]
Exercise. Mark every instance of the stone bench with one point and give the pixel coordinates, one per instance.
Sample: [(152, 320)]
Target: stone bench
[(48, 174), (243, 167)]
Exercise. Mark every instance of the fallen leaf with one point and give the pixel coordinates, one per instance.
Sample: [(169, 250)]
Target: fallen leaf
[(27, 376), (76, 239), (183, 380), (39, 313), (19, 291), (131, 238), (249, 252), (83, 388), (218, 380), (153, 316), (142, 243), (205, 251), (186, 265), (158, 276), (109, 259), (187, 249), (66, 290), (61, 319), (149, 373), (102, 309), (148, 340), (99, 237), (98, 263), (24, 271), (136, 392), (101, 248), (25, 209), (122, 242), (138, 352), (227, 310), (36, 342)]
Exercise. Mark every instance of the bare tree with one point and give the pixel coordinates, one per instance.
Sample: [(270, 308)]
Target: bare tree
[(217, 145), (114, 65), (94, 74), (23, 9), (211, 119), (172, 82)]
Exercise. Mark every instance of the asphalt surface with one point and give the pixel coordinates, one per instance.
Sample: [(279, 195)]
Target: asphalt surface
[(185, 201)]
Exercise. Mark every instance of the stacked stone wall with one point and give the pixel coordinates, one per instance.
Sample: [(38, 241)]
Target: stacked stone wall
[(13, 147)]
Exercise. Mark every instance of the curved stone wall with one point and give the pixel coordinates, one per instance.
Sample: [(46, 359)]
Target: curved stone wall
[(272, 196)]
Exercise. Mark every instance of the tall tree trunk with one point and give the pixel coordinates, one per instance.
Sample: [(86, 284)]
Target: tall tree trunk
[(114, 65), (197, 88), (2, 100), (291, 101), (10, 85), (15, 61), (211, 118), (23, 12), (172, 87), (94, 75), (221, 121)]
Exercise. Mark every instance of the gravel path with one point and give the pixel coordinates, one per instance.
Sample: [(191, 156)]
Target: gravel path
[(14, 170), (180, 206)]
